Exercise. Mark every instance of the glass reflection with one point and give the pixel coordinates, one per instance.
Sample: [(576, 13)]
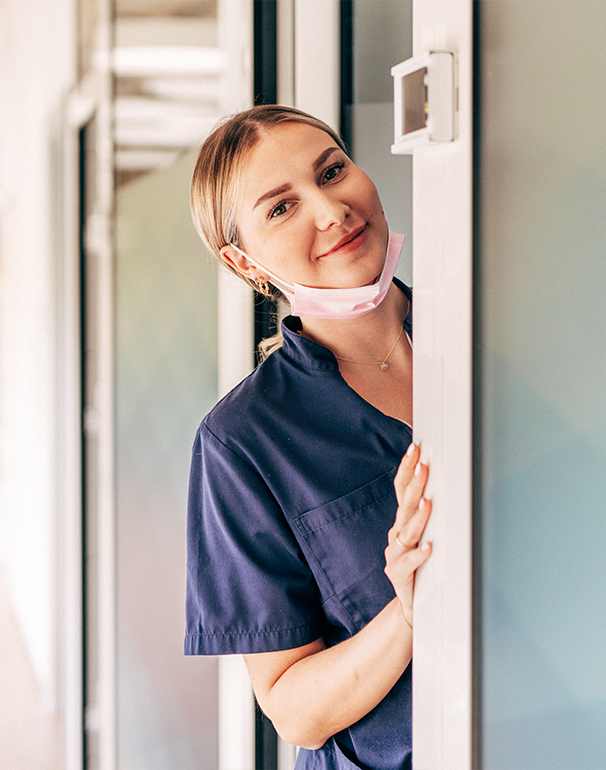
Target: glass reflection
[(375, 36), (543, 434)]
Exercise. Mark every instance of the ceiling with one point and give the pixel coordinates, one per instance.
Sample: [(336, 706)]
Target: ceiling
[(165, 8), (168, 71)]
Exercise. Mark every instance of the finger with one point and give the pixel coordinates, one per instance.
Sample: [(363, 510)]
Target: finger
[(411, 533), (400, 570), (412, 530), (406, 469), (411, 495)]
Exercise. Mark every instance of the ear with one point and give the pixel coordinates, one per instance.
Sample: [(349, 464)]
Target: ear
[(239, 262)]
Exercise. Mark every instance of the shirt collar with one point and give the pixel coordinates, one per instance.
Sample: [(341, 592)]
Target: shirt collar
[(311, 354)]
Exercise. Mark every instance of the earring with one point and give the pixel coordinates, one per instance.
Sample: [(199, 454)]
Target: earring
[(262, 286)]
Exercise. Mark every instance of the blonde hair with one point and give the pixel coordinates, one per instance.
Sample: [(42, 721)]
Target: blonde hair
[(220, 162), (214, 184)]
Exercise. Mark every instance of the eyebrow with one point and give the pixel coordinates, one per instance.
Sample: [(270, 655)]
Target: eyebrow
[(322, 158), (286, 187), (272, 194)]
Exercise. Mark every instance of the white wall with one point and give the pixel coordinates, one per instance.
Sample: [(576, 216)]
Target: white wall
[(36, 69)]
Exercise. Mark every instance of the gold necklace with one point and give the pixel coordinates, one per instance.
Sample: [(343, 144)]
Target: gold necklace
[(382, 364)]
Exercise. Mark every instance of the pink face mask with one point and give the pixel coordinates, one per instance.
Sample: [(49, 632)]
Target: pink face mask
[(310, 302)]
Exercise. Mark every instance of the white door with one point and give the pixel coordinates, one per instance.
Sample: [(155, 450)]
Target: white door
[(438, 184), (442, 280)]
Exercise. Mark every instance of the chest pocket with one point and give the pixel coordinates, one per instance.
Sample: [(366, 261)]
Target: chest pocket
[(344, 541)]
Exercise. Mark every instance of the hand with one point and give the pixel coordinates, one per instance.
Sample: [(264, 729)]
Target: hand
[(403, 555)]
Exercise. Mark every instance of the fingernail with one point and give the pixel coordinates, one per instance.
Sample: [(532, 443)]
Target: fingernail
[(418, 469), (425, 546), (411, 448), (422, 504)]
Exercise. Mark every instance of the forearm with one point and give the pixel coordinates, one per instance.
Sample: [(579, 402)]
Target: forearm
[(329, 690), (311, 693)]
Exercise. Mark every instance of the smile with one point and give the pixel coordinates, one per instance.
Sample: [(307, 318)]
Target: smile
[(349, 242)]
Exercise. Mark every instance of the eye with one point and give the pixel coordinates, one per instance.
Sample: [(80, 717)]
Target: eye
[(280, 209), (333, 171)]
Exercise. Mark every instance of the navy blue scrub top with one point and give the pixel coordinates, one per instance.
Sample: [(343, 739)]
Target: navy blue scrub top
[(290, 500)]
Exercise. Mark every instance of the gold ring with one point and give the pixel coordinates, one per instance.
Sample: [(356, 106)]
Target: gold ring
[(404, 545)]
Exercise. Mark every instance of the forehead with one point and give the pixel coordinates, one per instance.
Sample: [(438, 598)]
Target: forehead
[(283, 151)]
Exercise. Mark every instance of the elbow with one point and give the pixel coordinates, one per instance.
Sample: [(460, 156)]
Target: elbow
[(306, 736), (303, 740), (312, 745)]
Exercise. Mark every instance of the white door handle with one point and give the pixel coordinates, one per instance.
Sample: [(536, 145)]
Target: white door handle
[(424, 101)]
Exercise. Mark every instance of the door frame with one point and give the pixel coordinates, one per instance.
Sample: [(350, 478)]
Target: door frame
[(442, 318), (90, 100)]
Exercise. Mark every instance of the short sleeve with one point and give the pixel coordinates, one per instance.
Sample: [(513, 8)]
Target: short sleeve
[(249, 588)]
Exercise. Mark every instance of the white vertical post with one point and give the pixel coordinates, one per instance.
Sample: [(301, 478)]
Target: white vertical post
[(236, 330), (287, 755), (236, 715), (106, 525), (286, 52), (236, 360), (317, 59), (91, 99), (442, 279), (235, 301), (235, 39), (77, 113)]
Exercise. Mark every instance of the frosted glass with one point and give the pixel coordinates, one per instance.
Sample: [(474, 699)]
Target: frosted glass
[(166, 360), (542, 386)]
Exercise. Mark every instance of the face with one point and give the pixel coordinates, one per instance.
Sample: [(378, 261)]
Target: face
[(307, 213)]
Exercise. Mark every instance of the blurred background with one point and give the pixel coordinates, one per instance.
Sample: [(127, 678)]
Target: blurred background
[(117, 335)]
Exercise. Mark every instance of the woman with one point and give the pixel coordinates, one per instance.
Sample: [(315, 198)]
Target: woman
[(295, 559)]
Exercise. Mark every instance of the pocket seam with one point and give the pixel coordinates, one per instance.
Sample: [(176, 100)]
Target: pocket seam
[(335, 594), (306, 530)]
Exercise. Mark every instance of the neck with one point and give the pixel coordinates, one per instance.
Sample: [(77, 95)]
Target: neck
[(361, 338)]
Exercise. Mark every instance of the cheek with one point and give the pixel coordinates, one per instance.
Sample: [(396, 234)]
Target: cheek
[(369, 196), (381, 214)]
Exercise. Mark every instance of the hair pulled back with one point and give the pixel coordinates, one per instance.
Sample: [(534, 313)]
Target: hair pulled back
[(219, 165)]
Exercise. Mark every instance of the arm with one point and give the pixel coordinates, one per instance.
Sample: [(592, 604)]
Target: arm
[(312, 692)]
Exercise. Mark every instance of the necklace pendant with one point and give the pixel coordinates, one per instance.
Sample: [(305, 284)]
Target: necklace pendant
[(384, 366)]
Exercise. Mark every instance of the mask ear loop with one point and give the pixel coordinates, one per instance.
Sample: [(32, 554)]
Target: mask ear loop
[(285, 288)]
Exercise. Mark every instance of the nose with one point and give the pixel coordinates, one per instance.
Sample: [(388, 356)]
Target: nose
[(329, 209)]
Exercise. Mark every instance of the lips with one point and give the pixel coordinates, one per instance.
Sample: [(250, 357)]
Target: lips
[(346, 240)]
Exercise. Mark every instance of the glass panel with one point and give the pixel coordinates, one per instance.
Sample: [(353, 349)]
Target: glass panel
[(168, 70), (415, 100), (542, 229), (376, 35), (166, 381)]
